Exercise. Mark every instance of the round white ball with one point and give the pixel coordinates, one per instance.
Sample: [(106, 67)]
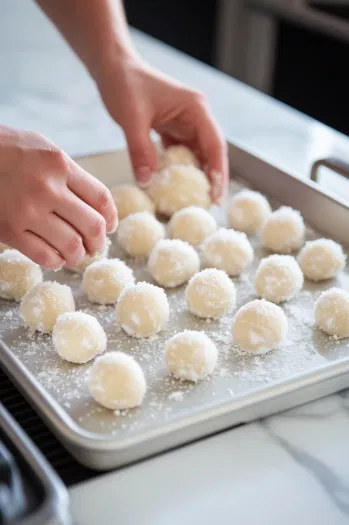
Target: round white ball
[(138, 233), (90, 259), (130, 199), (321, 259), (178, 187), (117, 381), (278, 278), (178, 154), (247, 211), (142, 310), (78, 337), (44, 303), (104, 280), (192, 224), (190, 355), (332, 312), (173, 262), (18, 275), (228, 250), (283, 231), (259, 326), (3, 247), (210, 293)]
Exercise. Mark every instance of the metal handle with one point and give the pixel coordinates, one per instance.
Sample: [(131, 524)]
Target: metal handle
[(339, 166)]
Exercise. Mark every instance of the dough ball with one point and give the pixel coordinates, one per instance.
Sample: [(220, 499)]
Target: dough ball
[(91, 259), (190, 355), (142, 310), (138, 233), (278, 278), (192, 224), (117, 382), (178, 155), (247, 211), (283, 231), (178, 187), (321, 259), (18, 275), (3, 247), (44, 303), (332, 312), (210, 293), (173, 262), (228, 250), (104, 280), (78, 337), (259, 326), (130, 199)]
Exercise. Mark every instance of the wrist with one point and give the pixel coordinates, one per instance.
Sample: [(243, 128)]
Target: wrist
[(115, 56)]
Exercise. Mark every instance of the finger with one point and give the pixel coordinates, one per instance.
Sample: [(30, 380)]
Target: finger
[(38, 250), (95, 194), (63, 237), (143, 155), (85, 220)]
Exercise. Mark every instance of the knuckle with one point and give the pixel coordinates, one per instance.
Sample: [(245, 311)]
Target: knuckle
[(198, 98), (98, 228), (57, 158), (103, 198)]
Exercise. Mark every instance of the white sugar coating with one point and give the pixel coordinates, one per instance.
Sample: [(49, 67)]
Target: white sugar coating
[(178, 187), (259, 326), (278, 278), (117, 381), (173, 262), (227, 250), (321, 259), (44, 303), (130, 199), (104, 280), (283, 231), (192, 224), (78, 337), (210, 294), (90, 259), (18, 274), (3, 247), (138, 233), (332, 312), (190, 355), (247, 211), (142, 309), (178, 154)]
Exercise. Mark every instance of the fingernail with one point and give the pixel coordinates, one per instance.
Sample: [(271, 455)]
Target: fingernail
[(144, 176), (217, 187), (58, 266)]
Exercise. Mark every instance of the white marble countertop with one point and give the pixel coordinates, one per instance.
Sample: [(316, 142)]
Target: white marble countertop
[(290, 468)]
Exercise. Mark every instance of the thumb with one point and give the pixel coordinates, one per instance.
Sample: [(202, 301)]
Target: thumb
[(143, 156)]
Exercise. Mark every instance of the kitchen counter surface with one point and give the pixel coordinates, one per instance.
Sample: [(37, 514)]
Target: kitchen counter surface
[(290, 468)]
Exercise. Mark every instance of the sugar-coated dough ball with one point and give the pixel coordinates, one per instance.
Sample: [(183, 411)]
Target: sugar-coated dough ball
[(18, 275), (190, 355), (210, 293), (138, 233), (227, 250), (283, 231), (78, 337), (321, 259), (90, 259), (117, 381), (278, 278), (142, 310), (259, 326), (178, 187), (44, 303), (3, 247), (173, 262), (178, 154), (104, 280), (130, 199), (192, 224), (247, 211), (332, 312)]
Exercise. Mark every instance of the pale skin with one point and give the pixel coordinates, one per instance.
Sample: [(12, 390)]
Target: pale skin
[(52, 210)]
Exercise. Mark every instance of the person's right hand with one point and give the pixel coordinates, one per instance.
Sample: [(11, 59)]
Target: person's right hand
[(50, 208)]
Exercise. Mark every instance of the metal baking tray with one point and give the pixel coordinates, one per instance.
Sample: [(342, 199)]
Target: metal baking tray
[(243, 388)]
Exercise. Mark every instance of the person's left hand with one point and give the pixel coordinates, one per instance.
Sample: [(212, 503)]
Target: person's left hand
[(140, 98)]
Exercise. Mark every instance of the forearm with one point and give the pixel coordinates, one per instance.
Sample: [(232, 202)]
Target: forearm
[(95, 29)]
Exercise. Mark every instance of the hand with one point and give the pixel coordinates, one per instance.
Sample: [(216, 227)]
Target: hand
[(50, 209), (139, 98)]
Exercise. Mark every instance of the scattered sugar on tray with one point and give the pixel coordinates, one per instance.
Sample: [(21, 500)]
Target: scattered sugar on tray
[(176, 396)]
